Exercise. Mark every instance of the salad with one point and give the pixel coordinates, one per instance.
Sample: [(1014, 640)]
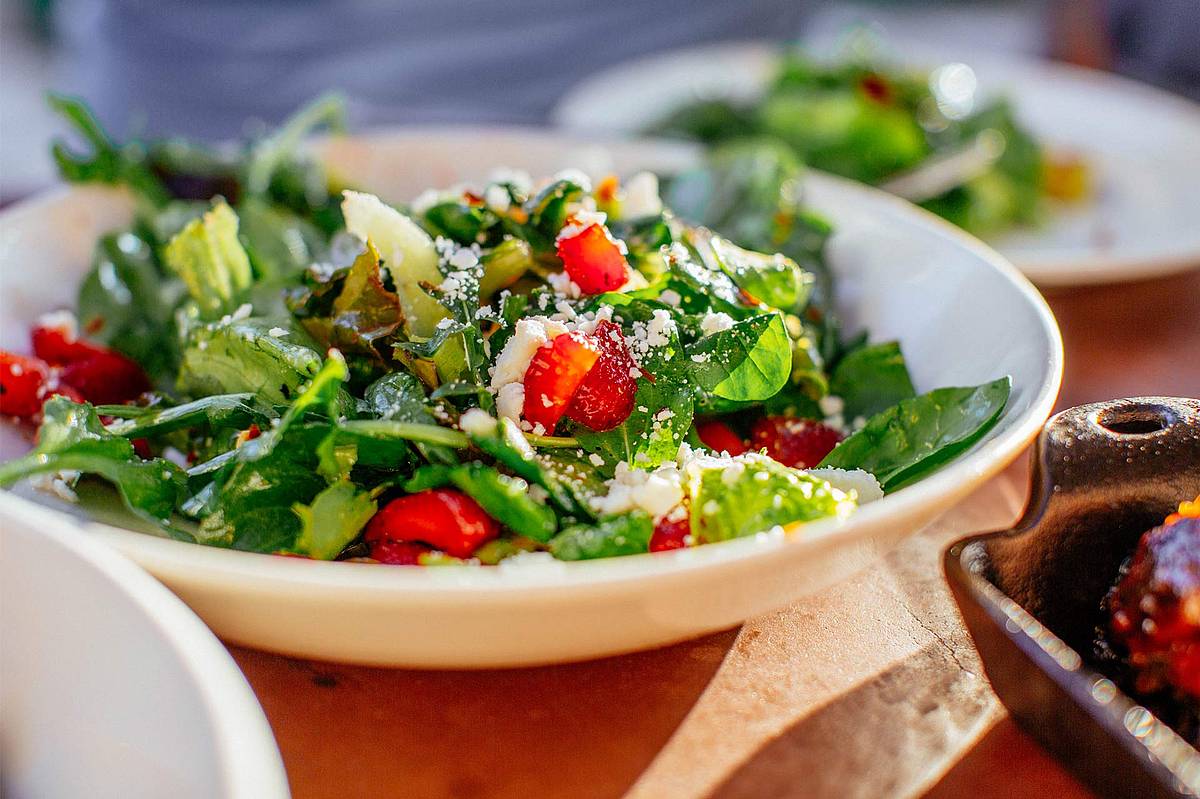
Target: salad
[(271, 362), (923, 136)]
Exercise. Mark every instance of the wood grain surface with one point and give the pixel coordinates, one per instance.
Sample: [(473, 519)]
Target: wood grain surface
[(870, 688)]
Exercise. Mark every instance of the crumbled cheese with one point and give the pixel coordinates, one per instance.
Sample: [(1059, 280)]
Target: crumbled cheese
[(858, 483), (478, 422), (657, 492), (513, 360), (580, 221), (277, 332), (61, 320), (510, 400), (641, 196), (671, 297), (648, 335), (562, 284), (715, 322), (596, 460), (496, 198)]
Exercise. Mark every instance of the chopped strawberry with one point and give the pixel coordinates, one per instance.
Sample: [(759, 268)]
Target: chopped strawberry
[(554, 375), (23, 385), (445, 519), (106, 378), (592, 259), (142, 447), (719, 437), (670, 534), (605, 397), (59, 344), (801, 443), (398, 553)]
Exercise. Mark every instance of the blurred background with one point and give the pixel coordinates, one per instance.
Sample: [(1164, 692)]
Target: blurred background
[(204, 69)]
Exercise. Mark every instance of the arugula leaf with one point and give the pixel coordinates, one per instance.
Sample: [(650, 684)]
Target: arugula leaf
[(107, 163), (871, 378), (126, 303), (628, 534), (211, 261), (332, 520), (917, 436), (272, 153), (763, 494), (238, 356), (236, 411), (71, 437), (503, 497), (748, 362)]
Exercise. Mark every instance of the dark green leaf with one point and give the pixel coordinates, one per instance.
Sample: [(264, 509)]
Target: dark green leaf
[(919, 435), (870, 379), (237, 411)]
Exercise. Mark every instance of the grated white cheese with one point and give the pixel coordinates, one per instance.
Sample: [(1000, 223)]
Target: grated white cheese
[(510, 400), (580, 221), (715, 322), (478, 422), (641, 196)]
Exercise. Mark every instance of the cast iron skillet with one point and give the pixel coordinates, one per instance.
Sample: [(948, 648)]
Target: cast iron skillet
[(1103, 474)]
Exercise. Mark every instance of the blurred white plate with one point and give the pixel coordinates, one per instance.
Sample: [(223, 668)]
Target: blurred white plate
[(1142, 146), (111, 686), (961, 312)]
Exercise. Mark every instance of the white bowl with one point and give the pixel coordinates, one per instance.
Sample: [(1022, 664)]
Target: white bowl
[(111, 686), (1142, 146), (962, 314)]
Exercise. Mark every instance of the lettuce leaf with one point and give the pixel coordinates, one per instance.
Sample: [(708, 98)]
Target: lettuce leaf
[(208, 256), (332, 520), (264, 357)]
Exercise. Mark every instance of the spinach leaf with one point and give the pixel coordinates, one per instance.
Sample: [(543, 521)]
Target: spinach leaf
[(908, 441), (508, 446), (871, 378), (547, 212), (628, 534), (503, 497), (332, 520), (71, 437), (763, 494), (127, 303), (210, 259), (750, 361), (773, 279)]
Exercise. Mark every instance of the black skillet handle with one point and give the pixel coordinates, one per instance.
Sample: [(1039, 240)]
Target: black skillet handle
[(1103, 474)]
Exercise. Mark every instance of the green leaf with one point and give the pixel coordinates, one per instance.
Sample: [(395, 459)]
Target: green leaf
[(332, 520), (775, 279), (504, 498), (208, 256), (281, 244), (72, 437), (126, 303), (245, 356), (628, 534), (236, 411), (870, 379), (748, 362), (760, 494), (547, 212), (277, 150), (661, 417), (508, 446), (914, 438)]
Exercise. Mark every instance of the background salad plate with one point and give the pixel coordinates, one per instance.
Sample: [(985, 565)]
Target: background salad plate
[(1141, 144), (112, 687), (963, 316)]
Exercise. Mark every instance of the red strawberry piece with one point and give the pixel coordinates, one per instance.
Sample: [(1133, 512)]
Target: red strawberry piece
[(398, 553), (106, 378), (592, 259), (58, 344), (555, 374), (142, 447), (445, 519), (719, 437), (801, 443), (605, 397), (670, 534), (23, 385)]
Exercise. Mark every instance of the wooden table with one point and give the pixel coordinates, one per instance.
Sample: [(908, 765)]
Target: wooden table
[(871, 688)]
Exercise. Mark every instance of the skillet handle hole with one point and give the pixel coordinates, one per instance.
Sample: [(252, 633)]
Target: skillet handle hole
[(1136, 419)]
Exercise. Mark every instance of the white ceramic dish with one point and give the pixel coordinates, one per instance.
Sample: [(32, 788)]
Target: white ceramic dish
[(1142, 145), (111, 686), (962, 313)]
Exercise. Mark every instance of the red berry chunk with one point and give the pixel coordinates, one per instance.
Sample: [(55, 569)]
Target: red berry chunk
[(801, 443), (605, 397), (398, 553), (593, 260), (670, 534), (554, 375), (720, 437), (59, 345), (445, 519), (23, 385), (106, 378)]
